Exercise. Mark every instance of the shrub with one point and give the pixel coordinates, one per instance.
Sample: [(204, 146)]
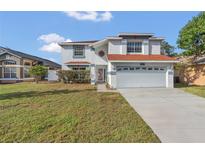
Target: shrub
[(38, 72), (74, 76)]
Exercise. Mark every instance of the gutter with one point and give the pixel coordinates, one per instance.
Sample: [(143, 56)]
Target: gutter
[(142, 61)]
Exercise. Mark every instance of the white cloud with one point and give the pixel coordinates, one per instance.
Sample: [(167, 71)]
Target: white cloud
[(68, 40), (50, 38), (51, 42), (107, 16), (90, 15), (51, 47)]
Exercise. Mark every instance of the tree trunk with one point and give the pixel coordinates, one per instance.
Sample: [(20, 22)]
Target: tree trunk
[(37, 78)]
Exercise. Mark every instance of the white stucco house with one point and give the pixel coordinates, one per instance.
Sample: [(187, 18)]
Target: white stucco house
[(122, 61)]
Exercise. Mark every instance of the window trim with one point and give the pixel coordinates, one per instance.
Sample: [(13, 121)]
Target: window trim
[(126, 68), (10, 72), (131, 68), (83, 50), (79, 68), (24, 68), (134, 52), (9, 62)]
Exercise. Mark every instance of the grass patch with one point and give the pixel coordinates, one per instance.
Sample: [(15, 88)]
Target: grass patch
[(68, 113), (196, 90)]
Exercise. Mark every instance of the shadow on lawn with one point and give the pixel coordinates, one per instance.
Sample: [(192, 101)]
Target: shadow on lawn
[(38, 93)]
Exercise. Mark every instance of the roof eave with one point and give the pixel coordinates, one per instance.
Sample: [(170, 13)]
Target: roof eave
[(11, 54), (135, 34), (152, 61), (158, 38), (99, 42), (72, 43)]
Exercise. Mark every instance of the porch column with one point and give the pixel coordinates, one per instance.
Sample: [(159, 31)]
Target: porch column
[(92, 74), (170, 77)]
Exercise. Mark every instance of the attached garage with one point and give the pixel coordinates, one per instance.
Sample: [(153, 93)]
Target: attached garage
[(140, 76), (133, 71)]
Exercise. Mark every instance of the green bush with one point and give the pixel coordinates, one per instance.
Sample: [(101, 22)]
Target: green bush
[(38, 72), (74, 76)]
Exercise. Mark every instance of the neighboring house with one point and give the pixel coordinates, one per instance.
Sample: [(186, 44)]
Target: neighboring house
[(191, 73), (126, 60), (15, 65)]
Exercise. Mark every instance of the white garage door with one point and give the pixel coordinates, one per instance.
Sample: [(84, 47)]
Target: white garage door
[(141, 77)]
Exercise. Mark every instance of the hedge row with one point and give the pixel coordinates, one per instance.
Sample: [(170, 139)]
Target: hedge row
[(74, 76)]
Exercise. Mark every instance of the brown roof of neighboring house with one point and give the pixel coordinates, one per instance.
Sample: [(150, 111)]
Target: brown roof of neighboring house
[(191, 60), (45, 62), (140, 57)]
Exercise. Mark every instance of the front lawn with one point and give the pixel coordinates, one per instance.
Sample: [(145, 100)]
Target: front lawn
[(58, 112), (196, 90)]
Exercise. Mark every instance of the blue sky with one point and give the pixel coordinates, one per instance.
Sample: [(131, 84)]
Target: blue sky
[(37, 33)]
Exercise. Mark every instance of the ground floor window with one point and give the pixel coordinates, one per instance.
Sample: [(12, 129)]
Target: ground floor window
[(26, 72), (140, 68), (78, 68), (9, 72)]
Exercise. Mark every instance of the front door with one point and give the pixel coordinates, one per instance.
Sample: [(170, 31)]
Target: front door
[(100, 75)]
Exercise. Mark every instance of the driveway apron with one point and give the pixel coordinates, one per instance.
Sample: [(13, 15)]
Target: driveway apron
[(174, 115)]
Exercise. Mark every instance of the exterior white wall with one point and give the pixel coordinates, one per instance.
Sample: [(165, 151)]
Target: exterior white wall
[(67, 55), (124, 47), (111, 75), (90, 56), (115, 47), (145, 46), (92, 74), (170, 76), (155, 47), (120, 46), (52, 75), (97, 60)]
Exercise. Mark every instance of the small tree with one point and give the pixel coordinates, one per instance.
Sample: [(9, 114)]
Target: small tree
[(168, 49), (38, 72)]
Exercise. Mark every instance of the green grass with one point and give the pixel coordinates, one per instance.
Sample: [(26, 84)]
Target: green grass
[(58, 112), (196, 90)]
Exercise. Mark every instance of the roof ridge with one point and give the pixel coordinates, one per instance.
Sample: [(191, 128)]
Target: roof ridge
[(29, 55)]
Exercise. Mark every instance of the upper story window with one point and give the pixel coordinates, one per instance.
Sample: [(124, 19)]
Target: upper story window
[(9, 62), (134, 47), (27, 63), (79, 51)]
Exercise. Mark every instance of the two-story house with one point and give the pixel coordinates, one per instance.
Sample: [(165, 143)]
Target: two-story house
[(126, 60)]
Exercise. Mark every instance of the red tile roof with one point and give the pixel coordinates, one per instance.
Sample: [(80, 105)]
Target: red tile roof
[(77, 62), (139, 57)]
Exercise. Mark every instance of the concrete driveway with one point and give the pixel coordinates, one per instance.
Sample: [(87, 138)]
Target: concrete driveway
[(174, 115)]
